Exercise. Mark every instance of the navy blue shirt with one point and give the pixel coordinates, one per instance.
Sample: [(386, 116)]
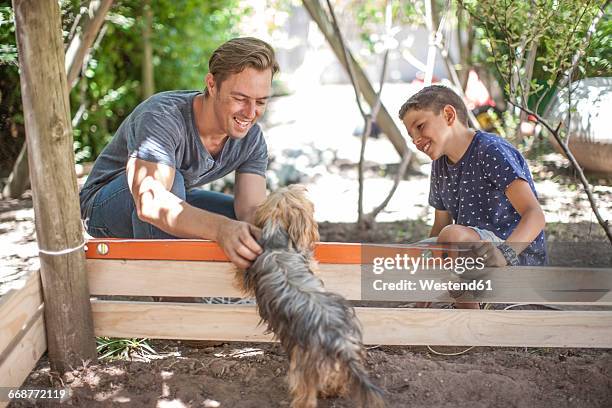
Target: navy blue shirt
[(473, 190)]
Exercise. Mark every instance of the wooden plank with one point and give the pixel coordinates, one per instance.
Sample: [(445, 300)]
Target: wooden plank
[(176, 321), (17, 307), (381, 326), (211, 279), (183, 278), (46, 111), (20, 361)]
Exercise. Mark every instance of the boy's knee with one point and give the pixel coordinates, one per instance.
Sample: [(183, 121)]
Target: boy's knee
[(458, 233)]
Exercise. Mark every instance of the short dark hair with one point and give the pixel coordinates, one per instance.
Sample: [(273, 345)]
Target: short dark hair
[(435, 98), (233, 56)]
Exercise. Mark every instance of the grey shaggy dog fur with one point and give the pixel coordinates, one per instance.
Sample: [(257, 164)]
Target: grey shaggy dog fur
[(318, 329)]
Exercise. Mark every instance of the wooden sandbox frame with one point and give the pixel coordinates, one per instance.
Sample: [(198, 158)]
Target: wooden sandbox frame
[(193, 268), (199, 268)]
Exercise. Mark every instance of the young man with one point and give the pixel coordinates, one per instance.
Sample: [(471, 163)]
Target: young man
[(143, 183), (481, 187)]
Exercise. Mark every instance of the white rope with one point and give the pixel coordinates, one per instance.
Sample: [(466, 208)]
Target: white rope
[(62, 251), (439, 353)]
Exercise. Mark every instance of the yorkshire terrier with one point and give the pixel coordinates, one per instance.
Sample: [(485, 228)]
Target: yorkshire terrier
[(318, 329)]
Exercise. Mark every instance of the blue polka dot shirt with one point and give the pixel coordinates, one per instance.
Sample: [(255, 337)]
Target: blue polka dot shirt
[(473, 190)]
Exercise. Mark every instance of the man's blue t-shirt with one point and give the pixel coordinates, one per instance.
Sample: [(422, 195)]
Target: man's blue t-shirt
[(473, 190)]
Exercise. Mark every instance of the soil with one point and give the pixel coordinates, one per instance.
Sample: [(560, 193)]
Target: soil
[(231, 376)]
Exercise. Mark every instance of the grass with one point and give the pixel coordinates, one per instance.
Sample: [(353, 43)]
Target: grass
[(123, 349)]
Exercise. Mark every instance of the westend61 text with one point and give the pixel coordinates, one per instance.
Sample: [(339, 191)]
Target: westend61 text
[(431, 285)]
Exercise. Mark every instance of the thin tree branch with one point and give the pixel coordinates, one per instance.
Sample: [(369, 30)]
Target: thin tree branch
[(348, 60), (369, 119), (587, 187), (398, 177)]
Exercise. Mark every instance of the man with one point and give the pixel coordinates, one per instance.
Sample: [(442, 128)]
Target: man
[(143, 183)]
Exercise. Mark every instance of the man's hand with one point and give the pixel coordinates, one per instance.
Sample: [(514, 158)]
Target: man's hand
[(239, 242), (489, 252)]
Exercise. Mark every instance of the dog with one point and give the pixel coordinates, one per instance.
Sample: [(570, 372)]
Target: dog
[(318, 329)]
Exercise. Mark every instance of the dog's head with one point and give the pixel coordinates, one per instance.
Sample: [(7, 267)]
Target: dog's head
[(289, 209)]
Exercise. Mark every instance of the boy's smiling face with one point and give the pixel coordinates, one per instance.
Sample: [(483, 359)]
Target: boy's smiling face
[(430, 132)]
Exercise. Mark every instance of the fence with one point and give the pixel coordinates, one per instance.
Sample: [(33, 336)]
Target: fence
[(196, 268), (189, 268), (22, 332)]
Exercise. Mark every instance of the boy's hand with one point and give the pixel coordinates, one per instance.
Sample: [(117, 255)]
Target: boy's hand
[(238, 241), (489, 252)]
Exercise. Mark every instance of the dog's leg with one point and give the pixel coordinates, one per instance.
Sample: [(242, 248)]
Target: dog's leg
[(334, 381), (303, 383)]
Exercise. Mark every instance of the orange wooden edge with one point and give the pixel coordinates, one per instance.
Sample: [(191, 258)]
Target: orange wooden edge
[(200, 250)]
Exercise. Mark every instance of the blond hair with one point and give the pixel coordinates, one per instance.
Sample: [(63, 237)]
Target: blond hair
[(233, 56)]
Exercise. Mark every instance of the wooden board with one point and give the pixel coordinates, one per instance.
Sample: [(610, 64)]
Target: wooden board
[(214, 279), (17, 308), (381, 326), (184, 278), (16, 367)]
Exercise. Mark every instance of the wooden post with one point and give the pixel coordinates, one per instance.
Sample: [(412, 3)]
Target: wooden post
[(68, 317)]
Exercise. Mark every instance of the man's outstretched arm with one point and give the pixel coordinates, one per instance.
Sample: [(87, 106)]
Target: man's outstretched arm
[(150, 184)]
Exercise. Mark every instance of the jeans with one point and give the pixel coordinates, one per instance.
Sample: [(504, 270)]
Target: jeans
[(113, 214)]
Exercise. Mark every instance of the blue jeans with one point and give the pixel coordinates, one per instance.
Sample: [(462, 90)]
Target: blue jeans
[(113, 214)]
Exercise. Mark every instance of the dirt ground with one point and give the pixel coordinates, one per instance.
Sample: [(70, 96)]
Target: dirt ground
[(252, 376)]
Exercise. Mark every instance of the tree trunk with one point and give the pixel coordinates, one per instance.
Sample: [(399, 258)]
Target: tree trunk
[(432, 50), (68, 317), (383, 119), (465, 46), (526, 85), (90, 24), (83, 39), (148, 84), (19, 179)]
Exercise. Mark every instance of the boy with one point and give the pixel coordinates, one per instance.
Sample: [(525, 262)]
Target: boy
[(481, 187)]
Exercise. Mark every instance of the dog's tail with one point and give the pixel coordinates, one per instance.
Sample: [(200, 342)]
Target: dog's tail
[(366, 393)]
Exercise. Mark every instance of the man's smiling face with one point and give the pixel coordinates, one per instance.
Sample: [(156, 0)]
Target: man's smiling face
[(241, 100)]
